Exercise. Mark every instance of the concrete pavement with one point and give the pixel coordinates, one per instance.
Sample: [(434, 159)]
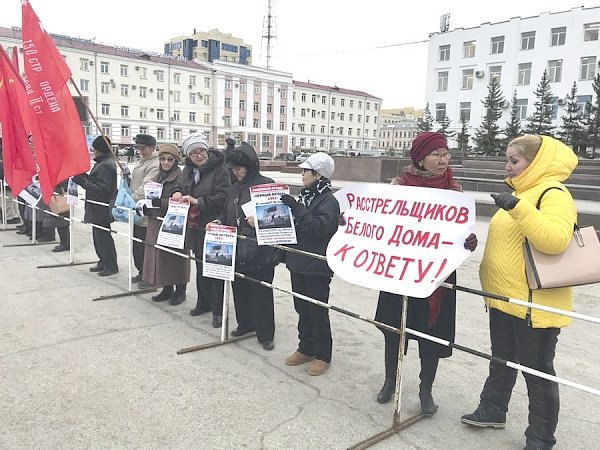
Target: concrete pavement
[(78, 374)]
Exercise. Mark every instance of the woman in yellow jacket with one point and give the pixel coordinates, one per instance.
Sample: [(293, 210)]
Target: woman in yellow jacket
[(524, 335)]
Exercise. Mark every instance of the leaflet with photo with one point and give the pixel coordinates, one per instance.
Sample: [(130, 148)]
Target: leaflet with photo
[(32, 194), (72, 192), (273, 220), (152, 189), (219, 252), (173, 228)]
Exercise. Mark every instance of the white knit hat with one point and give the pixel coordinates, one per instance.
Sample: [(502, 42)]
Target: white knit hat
[(321, 163), (194, 142)]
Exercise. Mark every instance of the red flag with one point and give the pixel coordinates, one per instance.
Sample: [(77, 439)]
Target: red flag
[(15, 58), (18, 162), (58, 140)]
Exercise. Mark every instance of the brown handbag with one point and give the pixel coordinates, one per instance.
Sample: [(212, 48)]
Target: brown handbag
[(579, 264), (193, 220), (58, 204)]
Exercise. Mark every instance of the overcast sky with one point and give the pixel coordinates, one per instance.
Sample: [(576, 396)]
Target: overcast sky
[(325, 41)]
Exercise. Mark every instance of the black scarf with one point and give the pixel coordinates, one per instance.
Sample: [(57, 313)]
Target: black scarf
[(163, 175), (307, 195)]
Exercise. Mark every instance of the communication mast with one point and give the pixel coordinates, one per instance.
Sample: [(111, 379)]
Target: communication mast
[(444, 22), (269, 30)]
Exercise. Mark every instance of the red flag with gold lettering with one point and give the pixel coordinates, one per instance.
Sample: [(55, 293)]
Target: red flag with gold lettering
[(58, 140), (17, 157)]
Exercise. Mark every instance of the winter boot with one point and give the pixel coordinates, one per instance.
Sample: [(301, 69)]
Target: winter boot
[(165, 294), (391, 365), (427, 376), (179, 295)]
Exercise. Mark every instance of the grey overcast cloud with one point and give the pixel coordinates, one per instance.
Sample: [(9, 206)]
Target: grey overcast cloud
[(332, 42)]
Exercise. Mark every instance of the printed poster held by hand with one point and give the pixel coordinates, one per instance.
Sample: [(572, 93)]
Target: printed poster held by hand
[(173, 228), (220, 243), (273, 221), (402, 239)]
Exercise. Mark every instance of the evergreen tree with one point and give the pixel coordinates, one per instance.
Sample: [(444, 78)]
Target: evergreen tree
[(462, 140), (593, 120), (540, 122), (445, 128), (513, 126), (487, 136), (572, 130), (426, 123)]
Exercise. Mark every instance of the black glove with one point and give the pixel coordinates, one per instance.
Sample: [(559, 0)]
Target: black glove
[(471, 242), (341, 220), (156, 202), (505, 201), (288, 200), (80, 179)]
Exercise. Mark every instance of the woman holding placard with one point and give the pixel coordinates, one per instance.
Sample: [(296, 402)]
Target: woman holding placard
[(435, 315), (541, 210), (254, 310), (163, 268)]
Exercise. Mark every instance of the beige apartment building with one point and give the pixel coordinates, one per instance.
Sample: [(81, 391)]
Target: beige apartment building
[(210, 46), (333, 119), (398, 128)]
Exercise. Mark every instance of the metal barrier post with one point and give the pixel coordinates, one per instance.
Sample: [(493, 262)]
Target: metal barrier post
[(130, 251)]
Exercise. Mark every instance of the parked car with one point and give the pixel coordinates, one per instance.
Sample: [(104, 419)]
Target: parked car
[(302, 157), (285, 157)]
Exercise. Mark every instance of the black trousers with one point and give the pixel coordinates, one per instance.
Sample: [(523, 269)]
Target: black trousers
[(105, 249), (513, 340), (210, 292), (254, 308), (314, 331), (138, 247)]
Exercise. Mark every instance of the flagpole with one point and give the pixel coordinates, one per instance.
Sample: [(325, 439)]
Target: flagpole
[(87, 107)]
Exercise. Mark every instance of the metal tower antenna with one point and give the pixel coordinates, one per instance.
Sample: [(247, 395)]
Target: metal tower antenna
[(269, 30)]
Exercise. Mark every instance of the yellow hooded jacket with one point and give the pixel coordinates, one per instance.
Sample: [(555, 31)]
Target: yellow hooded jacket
[(549, 229)]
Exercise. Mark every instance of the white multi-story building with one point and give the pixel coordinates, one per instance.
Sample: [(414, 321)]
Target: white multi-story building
[(516, 51), (331, 119)]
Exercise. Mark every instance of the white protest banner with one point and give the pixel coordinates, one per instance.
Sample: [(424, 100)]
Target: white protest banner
[(273, 220), (172, 231), (72, 193), (220, 243), (152, 189), (400, 239)]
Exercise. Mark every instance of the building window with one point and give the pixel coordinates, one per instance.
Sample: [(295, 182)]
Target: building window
[(555, 71), (524, 74), (444, 52), (322, 129), (282, 126), (528, 40), (342, 117), (84, 64), (177, 134), (242, 121), (497, 45), (256, 123), (176, 78), (104, 67), (144, 130), (124, 70), (227, 121), (160, 133), (192, 98), (227, 103), (465, 111), (176, 96), (269, 108), (160, 114), (467, 79), (104, 87), (160, 94), (105, 109), (206, 118), (192, 117), (125, 131), (584, 103), (521, 108), (343, 102), (269, 124), (469, 49), (282, 109), (143, 92), (242, 104), (332, 101), (313, 98), (143, 73), (495, 73), (143, 113), (323, 100), (256, 106), (227, 85), (440, 111), (558, 36), (313, 114), (106, 129), (301, 127), (332, 115), (206, 82), (257, 92), (279, 141), (350, 117), (554, 108), (192, 80), (124, 90), (176, 116), (160, 75), (124, 111), (84, 85), (206, 100), (588, 68), (442, 81), (590, 31)]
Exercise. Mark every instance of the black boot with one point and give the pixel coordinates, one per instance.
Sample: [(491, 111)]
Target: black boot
[(427, 375), (179, 295), (391, 365), (165, 294)]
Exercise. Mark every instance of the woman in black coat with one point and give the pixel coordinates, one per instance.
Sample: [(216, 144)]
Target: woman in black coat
[(203, 184), (101, 186), (253, 302), (316, 220)]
